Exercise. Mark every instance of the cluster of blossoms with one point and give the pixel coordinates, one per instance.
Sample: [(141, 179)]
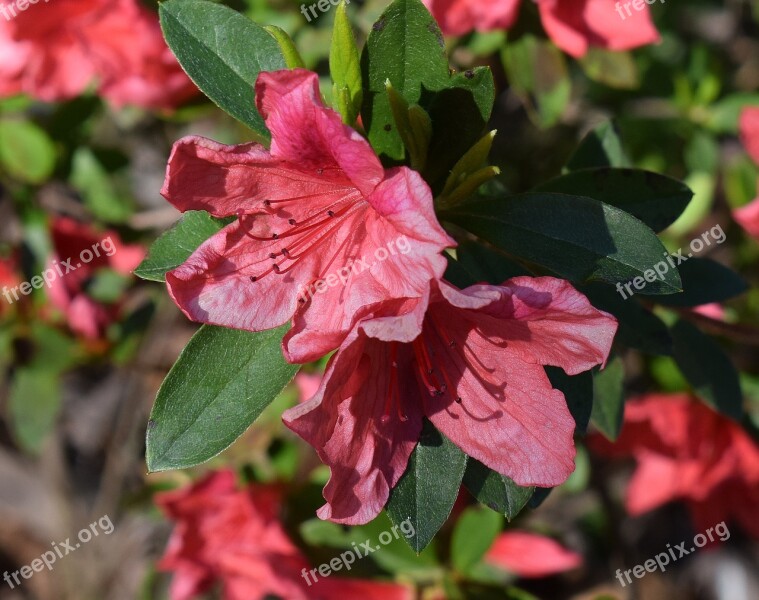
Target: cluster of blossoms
[(573, 25), (686, 451), (748, 216), (55, 51), (234, 536), (409, 344)]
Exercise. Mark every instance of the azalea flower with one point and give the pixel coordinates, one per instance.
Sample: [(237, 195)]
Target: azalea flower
[(67, 292), (55, 51), (686, 451), (475, 371), (8, 279), (748, 216), (574, 25), (531, 556), (309, 211), (234, 537)]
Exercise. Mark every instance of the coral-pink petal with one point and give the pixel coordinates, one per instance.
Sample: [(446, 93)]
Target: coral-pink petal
[(305, 132), (344, 424), (749, 131), (530, 555), (748, 218)]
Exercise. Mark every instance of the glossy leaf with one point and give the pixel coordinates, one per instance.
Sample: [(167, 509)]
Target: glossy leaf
[(708, 369), (223, 52), (600, 148), (577, 238), (494, 490), (429, 487), (705, 281), (220, 384)]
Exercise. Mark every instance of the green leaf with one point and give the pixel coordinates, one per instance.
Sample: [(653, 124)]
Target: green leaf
[(345, 65), (655, 199), (220, 384), (107, 286), (475, 532), (429, 487), (406, 47), (537, 72), (292, 57), (609, 399), (223, 52), (459, 114), (639, 328), (600, 148), (475, 263), (708, 369), (177, 244), (494, 490), (615, 69), (578, 392), (34, 404), (98, 188), (26, 151), (705, 281), (577, 238)]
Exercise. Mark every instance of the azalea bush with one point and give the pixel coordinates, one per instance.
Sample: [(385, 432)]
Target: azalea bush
[(394, 299)]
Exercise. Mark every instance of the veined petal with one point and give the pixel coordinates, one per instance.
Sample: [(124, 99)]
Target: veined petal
[(494, 406), (344, 423), (305, 132), (544, 320), (205, 175)]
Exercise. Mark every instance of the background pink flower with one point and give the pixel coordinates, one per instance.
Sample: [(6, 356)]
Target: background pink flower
[(748, 216), (531, 556), (686, 451), (55, 51)]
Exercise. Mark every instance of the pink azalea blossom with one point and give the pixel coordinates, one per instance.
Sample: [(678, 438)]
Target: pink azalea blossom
[(686, 451), (574, 25), (476, 372), (86, 316), (55, 51), (233, 536), (531, 556), (8, 279), (307, 384), (316, 203), (748, 216)]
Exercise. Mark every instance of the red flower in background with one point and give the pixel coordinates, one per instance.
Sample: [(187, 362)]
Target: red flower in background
[(531, 556), (233, 536), (318, 202), (748, 216), (8, 279), (574, 25), (55, 51), (686, 451), (475, 371), (73, 245)]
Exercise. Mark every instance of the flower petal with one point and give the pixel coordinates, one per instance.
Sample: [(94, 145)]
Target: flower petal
[(344, 424), (306, 133), (529, 555)]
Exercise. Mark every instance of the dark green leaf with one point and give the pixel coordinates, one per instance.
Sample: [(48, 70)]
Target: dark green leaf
[(609, 399), (406, 47), (494, 490), (705, 281), (578, 392), (177, 244), (221, 383), (577, 238), (475, 532), (655, 199), (34, 403), (708, 369), (600, 148), (429, 487), (639, 328), (223, 52), (476, 263)]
